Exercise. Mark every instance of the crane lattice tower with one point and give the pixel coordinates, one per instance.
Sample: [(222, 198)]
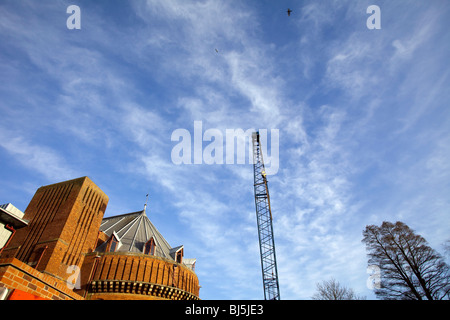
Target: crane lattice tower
[(264, 221)]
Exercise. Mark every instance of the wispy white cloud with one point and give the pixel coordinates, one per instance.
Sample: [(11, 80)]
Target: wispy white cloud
[(322, 207), (240, 67), (363, 128), (318, 220), (39, 158)]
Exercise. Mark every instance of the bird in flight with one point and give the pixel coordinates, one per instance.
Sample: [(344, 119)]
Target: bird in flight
[(217, 51), (289, 12)]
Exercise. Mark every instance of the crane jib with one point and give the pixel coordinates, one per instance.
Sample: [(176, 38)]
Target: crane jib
[(264, 222)]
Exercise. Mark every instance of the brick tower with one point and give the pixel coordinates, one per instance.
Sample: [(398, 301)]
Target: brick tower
[(64, 219)]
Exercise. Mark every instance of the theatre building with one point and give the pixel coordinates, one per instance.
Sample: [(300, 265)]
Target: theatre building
[(63, 248)]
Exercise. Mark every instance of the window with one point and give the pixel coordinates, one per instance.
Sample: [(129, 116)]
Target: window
[(179, 257), (150, 247), (177, 254), (113, 244)]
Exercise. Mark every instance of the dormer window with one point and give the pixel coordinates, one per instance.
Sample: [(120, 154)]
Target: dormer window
[(113, 243), (190, 263), (150, 247), (179, 256)]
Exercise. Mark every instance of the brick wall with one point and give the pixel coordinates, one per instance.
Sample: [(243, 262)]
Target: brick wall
[(64, 222), (15, 274), (124, 274)]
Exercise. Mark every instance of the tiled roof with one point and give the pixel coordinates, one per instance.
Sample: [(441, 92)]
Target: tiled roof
[(133, 230)]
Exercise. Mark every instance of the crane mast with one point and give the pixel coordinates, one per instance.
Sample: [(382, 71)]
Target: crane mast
[(264, 221)]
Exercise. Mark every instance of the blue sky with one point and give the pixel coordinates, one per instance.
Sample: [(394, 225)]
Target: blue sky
[(363, 118)]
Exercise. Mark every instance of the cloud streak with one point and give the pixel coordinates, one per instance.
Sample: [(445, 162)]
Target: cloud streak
[(362, 119)]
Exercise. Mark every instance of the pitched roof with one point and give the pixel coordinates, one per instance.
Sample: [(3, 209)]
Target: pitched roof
[(133, 231)]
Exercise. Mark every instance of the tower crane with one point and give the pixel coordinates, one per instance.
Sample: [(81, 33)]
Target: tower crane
[(264, 221)]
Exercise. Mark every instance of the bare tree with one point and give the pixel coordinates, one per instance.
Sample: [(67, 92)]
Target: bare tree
[(333, 290), (410, 268)]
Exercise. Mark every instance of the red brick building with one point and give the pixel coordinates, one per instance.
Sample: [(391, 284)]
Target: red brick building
[(68, 251)]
